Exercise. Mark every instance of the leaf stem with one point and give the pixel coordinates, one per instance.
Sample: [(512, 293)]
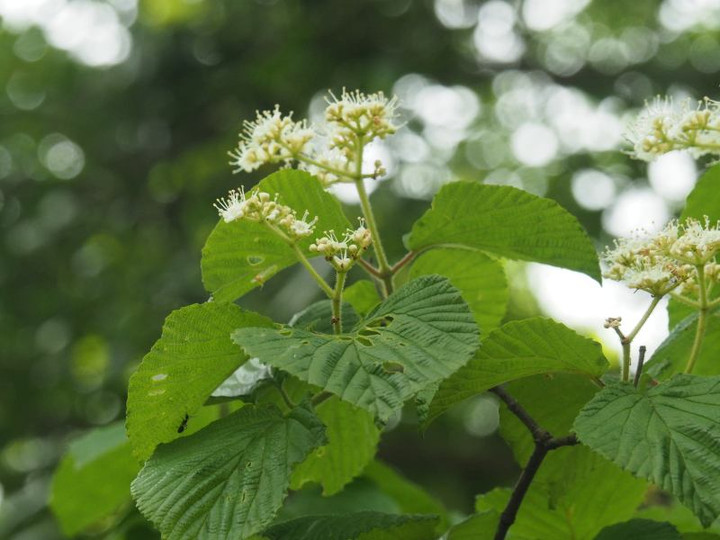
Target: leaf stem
[(544, 442), (337, 302), (702, 320)]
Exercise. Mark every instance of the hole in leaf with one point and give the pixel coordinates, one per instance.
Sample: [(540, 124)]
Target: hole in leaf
[(393, 367), (159, 377), (254, 260), (381, 322), (305, 342), (368, 332), (285, 332), (364, 341)]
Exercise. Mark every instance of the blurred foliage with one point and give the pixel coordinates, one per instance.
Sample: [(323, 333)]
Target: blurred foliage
[(112, 151)]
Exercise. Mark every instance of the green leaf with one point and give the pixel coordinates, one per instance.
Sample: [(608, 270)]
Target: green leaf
[(359, 526), (480, 279), (352, 442), (675, 513), (362, 295), (420, 334), (672, 354), (481, 526), (192, 358), (410, 498), (520, 349), (508, 222), (639, 529), (241, 255), (229, 479), (78, 497), (669, 435), (318, 317), (704, 199), (562, 502)]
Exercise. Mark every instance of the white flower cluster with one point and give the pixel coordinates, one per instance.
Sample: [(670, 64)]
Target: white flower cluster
[(358, 115), (271, 138), (261, 207), (329, 151), (342, 253), (667, 260), (664, 126)]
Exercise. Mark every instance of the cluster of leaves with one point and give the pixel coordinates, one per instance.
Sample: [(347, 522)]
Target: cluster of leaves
[(220, 470)]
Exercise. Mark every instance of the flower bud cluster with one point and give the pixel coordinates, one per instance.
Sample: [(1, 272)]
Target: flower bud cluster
[(667, 260), (664, 126), (271, 138), (330, 151), (259, 206), (342, 253)]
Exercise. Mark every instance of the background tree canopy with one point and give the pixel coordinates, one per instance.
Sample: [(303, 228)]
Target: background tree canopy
[(115, 122)]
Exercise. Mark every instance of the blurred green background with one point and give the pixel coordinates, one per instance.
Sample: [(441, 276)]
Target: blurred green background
[(116, 117)]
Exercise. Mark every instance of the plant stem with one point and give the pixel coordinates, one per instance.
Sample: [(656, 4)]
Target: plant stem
[(643, 320), (641, 361), (337, 302), (407, 259), (701, 322), (303, 259), (284, 395), (317, 277), (369, 268), (544, 442), (538, 433), (626, 361), (627, 340), (383, 267), (507, 518)]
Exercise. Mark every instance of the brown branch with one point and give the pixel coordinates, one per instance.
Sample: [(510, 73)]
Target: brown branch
[(544, 443)]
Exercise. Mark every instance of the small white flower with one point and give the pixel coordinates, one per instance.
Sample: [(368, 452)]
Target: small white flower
[(302, 227), (233, 207)]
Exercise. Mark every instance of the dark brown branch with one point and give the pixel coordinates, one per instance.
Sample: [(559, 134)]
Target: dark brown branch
[(507, 518), (641, 361), (544, 443), (538, 433)]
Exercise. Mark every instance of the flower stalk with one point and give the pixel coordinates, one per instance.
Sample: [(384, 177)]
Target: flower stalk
[(337, 302), (702, 320)]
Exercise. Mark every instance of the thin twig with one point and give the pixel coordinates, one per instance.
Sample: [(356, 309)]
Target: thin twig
[(507, 518), (538, 433), (544, 443), (641, 361)]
